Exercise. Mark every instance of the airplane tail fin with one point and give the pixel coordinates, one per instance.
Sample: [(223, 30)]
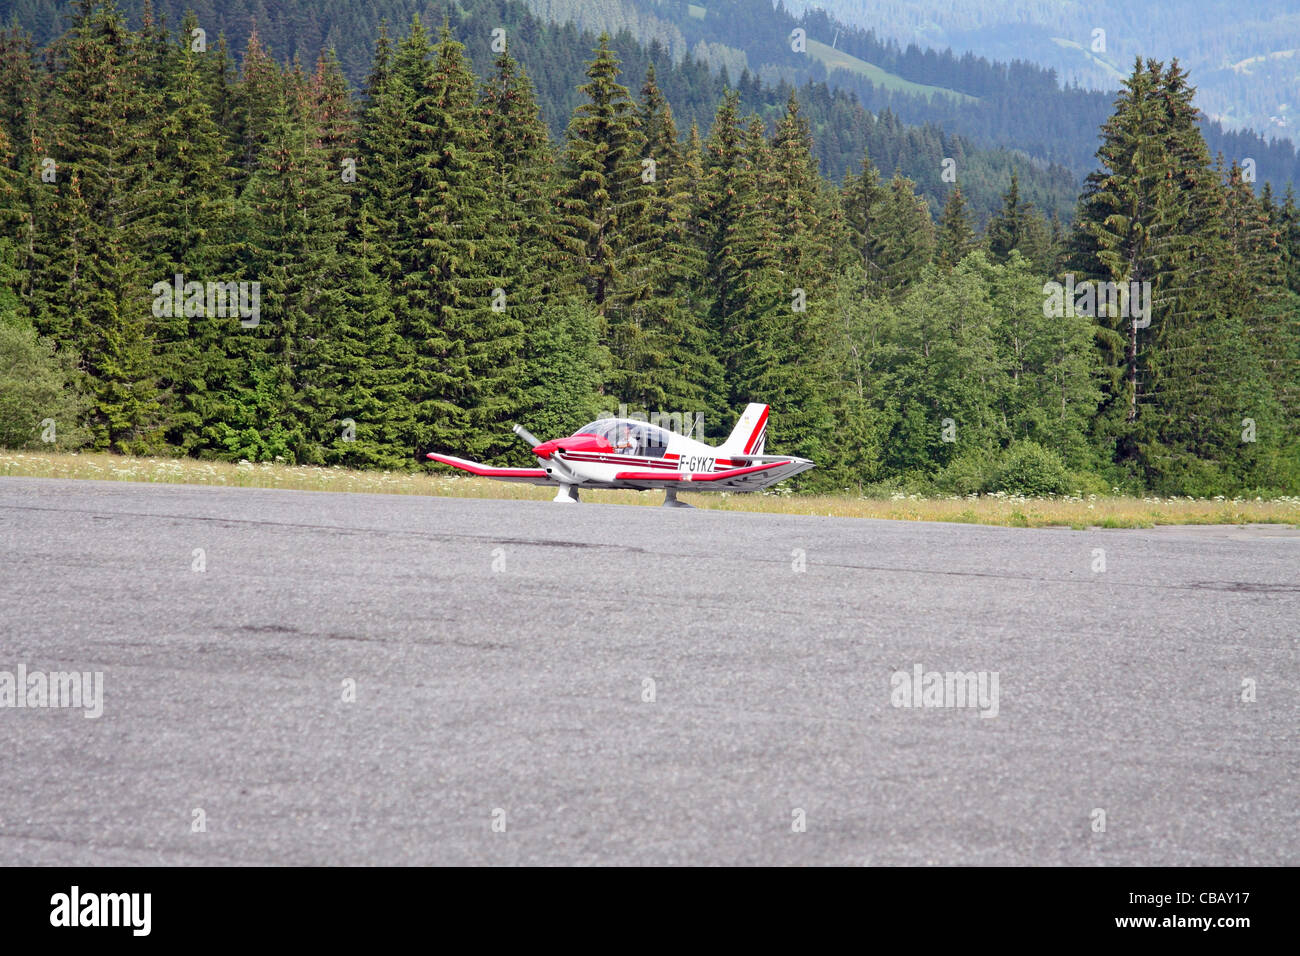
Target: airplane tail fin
[(750, 433)]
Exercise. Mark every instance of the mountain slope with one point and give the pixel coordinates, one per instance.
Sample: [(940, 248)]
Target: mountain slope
[(1241, 56)]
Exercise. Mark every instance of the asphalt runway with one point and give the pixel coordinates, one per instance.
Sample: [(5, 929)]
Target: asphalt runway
[(501, 653)]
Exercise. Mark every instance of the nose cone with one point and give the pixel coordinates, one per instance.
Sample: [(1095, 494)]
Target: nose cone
[(589, 443)]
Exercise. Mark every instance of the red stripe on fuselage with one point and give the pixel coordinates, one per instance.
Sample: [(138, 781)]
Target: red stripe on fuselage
[(720, 464), (617, 460), (699, 476)]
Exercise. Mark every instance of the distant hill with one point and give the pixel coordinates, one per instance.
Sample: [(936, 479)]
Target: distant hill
[(1244, 57), (1022, 103)]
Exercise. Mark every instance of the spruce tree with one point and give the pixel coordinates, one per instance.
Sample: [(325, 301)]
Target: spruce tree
[(902, 242), (97, 217), (725, 193), (956, 236), (465, 339), (605, 206), (560, 368), (197, 221), (1269, 384), (295, 231), (333, 112), (368, 364), (861, 198), (253, 101), (1155, 213), (801, 377), (1009, 229), (670, 370)]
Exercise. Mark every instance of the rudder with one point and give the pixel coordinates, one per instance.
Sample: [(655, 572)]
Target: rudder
[(750, 433)]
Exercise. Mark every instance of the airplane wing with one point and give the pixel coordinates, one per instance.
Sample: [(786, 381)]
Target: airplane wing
[(751, 478), (534, 476)]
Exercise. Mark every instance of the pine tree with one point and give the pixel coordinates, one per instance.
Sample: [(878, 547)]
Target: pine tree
[(1269, 385), (669, 368), (197, 219), (253, 102), (94, 286), (332, 110), (861, 199), (1155, 213), (1288, 224), (24, 201), (18, 93), (800, 377), (219, 76), (1116, 223), (368, 363), (956, 236), (560, 366), (705, 375), (759, 295), (726, 191), (466, 341), (1009, 229), (562, 370), (902, 241), (295, 231), (604, 205), (12, 217)]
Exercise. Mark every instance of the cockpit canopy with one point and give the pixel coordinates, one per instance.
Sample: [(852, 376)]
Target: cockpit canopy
[(630, 437)]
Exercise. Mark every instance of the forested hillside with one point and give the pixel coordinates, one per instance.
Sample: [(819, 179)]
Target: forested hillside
[(247, 263), (1014, 105), (1242, 55)]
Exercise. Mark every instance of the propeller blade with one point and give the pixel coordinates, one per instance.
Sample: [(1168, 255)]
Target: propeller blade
[(526, 435)]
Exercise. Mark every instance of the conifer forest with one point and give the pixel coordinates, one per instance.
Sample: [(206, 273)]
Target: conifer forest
[(227, 253)]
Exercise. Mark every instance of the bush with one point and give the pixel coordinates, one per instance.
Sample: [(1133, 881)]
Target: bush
[(1027, 468), (1184, 474), (881, 490), (967, 475), (38, 407), (1086, 483)]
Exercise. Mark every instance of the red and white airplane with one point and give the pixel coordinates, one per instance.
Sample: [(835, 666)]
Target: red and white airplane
[(626, 453)]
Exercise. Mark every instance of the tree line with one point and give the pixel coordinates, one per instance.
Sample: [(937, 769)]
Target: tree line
[(249, 264)]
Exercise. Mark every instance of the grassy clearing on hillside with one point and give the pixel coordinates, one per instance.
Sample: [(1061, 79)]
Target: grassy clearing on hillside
[(1012, 511), (839, 60)]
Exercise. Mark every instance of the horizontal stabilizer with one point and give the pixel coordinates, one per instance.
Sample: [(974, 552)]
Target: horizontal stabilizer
[(758, 459)]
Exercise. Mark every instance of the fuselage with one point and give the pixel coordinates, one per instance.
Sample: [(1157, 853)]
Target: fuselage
[(600, 451)]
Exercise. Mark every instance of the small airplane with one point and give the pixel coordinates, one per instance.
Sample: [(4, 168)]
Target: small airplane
[(626, 453)]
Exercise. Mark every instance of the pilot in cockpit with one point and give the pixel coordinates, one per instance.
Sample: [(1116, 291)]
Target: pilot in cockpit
[(627, 440)]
